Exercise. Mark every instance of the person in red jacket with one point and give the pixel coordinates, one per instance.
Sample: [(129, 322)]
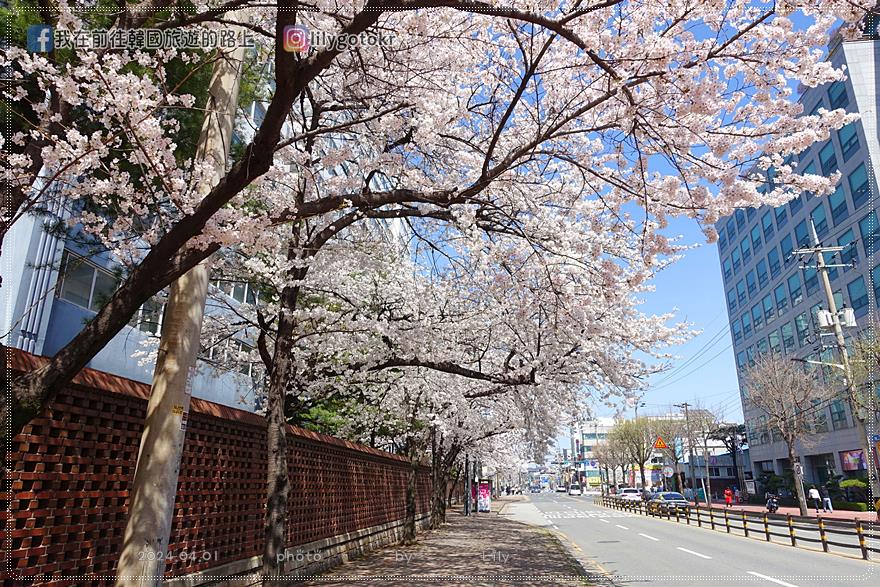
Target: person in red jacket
[(728, 496)]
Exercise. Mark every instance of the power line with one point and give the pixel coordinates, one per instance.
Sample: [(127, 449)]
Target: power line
[(697, 368), (705, 348)]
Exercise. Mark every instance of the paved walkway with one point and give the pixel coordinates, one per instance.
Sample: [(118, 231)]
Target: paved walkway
[(480, 550)]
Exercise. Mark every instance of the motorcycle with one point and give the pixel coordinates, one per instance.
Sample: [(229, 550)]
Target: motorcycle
[(772, 504)]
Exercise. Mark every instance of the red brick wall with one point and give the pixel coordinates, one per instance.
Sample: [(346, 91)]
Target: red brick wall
[(71, 468)]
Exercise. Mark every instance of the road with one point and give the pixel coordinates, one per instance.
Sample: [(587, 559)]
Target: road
[(638, 549)]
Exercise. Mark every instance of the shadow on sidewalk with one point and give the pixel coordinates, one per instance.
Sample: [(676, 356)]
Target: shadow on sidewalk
[(484, 549)]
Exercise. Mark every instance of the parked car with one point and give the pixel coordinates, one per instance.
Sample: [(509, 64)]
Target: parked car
[(561, 489), (575, 489), (630, 494), (536, 489), (668, 501)]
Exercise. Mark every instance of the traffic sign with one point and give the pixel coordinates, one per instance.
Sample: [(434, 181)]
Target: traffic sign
[(668, 471), (659, 443)]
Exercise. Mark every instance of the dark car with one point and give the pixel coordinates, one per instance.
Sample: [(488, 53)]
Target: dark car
[(668, 501), (536, 489)]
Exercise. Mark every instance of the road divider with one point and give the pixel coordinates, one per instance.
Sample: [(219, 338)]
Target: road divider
[(799, 531)]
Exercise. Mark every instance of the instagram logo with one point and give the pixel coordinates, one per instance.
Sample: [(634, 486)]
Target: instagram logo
[(296, 39)]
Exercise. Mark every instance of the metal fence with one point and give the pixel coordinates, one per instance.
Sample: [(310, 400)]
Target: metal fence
[(799, 531)]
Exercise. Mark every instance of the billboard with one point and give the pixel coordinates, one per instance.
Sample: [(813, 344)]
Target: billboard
[(853, 460)]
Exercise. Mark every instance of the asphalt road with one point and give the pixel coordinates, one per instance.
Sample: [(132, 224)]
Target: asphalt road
[(638, 549)]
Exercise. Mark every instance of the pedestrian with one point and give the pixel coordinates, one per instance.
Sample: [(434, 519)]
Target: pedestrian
[(814, 495), (826, 500), (728, 497), (737, 496)]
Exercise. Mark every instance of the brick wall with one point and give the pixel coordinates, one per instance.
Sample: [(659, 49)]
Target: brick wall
[(71, 468)]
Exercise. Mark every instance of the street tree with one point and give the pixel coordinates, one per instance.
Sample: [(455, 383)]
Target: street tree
[(475, 110), (636, 439), (787, 393), (733, 436)]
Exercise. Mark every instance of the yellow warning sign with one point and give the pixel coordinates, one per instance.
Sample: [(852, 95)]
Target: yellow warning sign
[(177, 410), (659, 443)]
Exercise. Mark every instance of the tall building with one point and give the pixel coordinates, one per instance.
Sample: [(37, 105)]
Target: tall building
[(772, 300)]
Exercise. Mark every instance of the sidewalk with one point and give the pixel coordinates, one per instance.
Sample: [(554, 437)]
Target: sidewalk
[(480, 550), (836, 515)]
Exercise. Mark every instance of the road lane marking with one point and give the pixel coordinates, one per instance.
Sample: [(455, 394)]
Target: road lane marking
[(649, 537), (621, 527), (771, 579), (606, 521), (693, 553)]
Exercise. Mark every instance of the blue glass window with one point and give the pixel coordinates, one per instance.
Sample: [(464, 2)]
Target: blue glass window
[(775, 343), (756, 239), (828, 159), (837, 96), (781, 216), (802, 234), (850, 254), (769, 308), (794, 288), (773, 261), (741, 291), (875, 283), (820, 220), (727, 268), (737, 261), (761, 271), (802, 328), (737, 332), (731, 229), (781, 299), (858, 295), (811, 280), (788, 336), (837, 201), (731, 300), (786, 247), (747, 324), (870, 233), (767, 225), (746, 251), (751, 283), (757, 317), (722, 240), (858, 185), (740, 218), (849, 141), (795, 205)]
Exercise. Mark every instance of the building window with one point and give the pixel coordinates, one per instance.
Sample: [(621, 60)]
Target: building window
[(788, 336), (781, 299), (737, 262), (751, 283), (756, 238), (737, 332), (837, 200), (740, 218), (741, 359), (849, 141), (820, 424), (858, 185), (802, 327), (240, 291), (767, 225), (731, 230), (858, 295), (786, 246), (761, 346), (722, 240), (741, 291), (795, 205), (746, 251), (731, 300), (801, 234), (781, 216), (747, 324), (794, 288), (761, 270), (820, 220), (875, 284), (769, 309), (830, 260), (828, 159), (232, 354), (850, 254), (757, 317), (727, 269), (811, 280), (84, 283), (149, 316), (774, 341), (838, 415), (870, 234), (773, 261), (837, 96)]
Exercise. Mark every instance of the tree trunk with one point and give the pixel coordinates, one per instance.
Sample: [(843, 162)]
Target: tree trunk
[(642, 474), (409, 525), (798, 482)]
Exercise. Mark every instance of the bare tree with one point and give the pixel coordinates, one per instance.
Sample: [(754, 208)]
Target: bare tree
[(786, 392), (671, 429), (636, 440)]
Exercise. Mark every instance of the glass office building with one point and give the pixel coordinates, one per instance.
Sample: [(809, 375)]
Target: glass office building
[(772, 300)]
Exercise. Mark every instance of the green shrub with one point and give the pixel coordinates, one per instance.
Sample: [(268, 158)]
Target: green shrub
[(850, 506)]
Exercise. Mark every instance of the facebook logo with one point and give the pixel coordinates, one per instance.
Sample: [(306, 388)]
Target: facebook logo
[(39, 38)]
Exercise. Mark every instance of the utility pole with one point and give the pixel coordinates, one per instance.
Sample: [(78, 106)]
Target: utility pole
[(151, 505), (837, 329), (687, 427)]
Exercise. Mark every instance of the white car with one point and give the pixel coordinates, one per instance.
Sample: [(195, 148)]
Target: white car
[(560, 489), (630, 494), (575, 489)]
